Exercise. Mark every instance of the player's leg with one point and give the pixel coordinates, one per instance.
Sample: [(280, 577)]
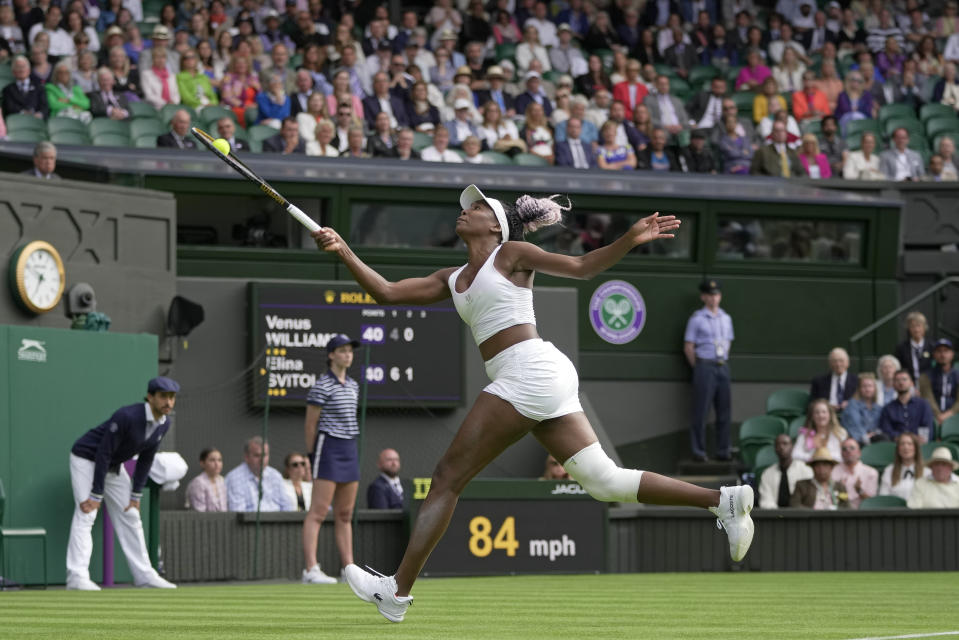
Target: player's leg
[(320, 500), (129, 528), (344, 499), (80, 545)]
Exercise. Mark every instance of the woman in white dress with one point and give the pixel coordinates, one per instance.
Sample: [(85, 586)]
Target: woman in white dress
[(822, 429), (898, 478)]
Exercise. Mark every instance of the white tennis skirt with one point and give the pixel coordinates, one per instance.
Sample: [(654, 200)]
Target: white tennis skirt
[(536, 378)]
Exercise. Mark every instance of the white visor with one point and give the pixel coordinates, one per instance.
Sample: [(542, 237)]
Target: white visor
[(472, 194)]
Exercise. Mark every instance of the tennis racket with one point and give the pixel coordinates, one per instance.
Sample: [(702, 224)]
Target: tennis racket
[(248, 173)]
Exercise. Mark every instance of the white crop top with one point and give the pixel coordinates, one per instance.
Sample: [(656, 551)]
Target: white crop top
[(492, 303)]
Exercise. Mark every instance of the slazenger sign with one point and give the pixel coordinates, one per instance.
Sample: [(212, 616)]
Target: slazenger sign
[(31, 351)]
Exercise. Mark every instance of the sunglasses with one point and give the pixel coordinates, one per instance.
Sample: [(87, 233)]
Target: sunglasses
[(301, 463)]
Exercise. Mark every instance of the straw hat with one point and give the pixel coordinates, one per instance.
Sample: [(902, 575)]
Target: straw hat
[(942, 454), (822, 455)]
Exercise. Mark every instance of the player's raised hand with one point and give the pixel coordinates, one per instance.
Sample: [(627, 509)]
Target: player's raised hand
[(654, 227), (328, 239)]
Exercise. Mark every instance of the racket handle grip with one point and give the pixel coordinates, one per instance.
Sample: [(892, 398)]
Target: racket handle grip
[(302, 218)]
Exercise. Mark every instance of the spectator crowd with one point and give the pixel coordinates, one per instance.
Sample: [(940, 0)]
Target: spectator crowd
[(860, 90)]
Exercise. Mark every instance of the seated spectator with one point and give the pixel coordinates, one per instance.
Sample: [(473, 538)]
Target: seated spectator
[(864, 163), (530, 48), (719, 51), (537, 132), (602, 35), (497, 92), (744, 126), (239, 88), (386, 491), (382, 141), (907, 413), (813, 161), (946, 90), (666, 110), (25, 94), (612, 155), (595, 78), (423, 116), (598, 110), (179, 136), (631, 91), (752, 76), (404, 145), (194, 86), (243, 482), (735, 149), (861, 416), (471, 151), (505, 29), (854, 103), (554, 470), (768, 102), (127, 78), (822, 429), (639, 134), (657, 156), (314, 113), (287, 141), (837, 386), (915, 353), (443, 72), (900, 163), (159, 85), (534, 93), (44, 162), (273, 105), (296, 482), (899, 477), (682, 55), (810, 102), (696, 156), (303, 89), (776, 158), (207, 491), (947, 149), (889, 61), (574, 151), (560, 107), (938, 385), (876, 37), (778, 481), (830, 84), (322, 144), (565, 56), (948, 23), (833, 146), (85, 75), (356, 143), (439, 151), (859, 480), (61, 44), (935, 171), (105, 103), (821, 492), (941, 489), (226, 129), (789, 73), (499, 134), (382, 100), (10, 30), (461, 126), (793, 134), (706, 107), (928, 59)]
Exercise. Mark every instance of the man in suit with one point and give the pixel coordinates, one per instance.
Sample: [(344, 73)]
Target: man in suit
[(681, 56), (497, 92), (657, 12), (706, 107), (837, 386), (776, 158), (287, 141), (631, 92), (744, 126), (915, 352), (105, 103), (900, 163), (533, 93), (666, 110), (280, 57), (573, 152), (44, 162), (383, 100), (179, 136), (97, 476), (227, 130), (26, 93), (303, 82), (386, 491)]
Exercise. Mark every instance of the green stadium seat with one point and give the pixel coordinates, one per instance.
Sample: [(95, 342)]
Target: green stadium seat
[(854, 143), (23, 121), (935, 126), (765, 457), (702, 73), (495, 157), (22, 533), (111, 139), (146, 141), (166, 113), (731, 74), (147, 126), (552, 76), (680, 88), (859, 126), (57, 125), (70, 137), (929, 447), (795, 425), (260, 132), (811, 125), (105, 125), (26, 135), (787, 403), (606, 55), (664, 69), (143, 110), (895, 111), (936, 110), (530, 160), (949, 430), (505, 51), (879, 455), (214, 112), (913, 126), (744, 102), (762, 428), (295, 61), (918, 143), (421, 141), (882, 502), (250, 115)]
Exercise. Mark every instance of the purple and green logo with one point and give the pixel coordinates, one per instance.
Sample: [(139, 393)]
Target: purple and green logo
[(617, 312)]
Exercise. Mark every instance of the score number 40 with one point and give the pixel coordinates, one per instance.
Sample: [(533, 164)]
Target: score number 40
[(376, 334), (481, 544), (376, 374)]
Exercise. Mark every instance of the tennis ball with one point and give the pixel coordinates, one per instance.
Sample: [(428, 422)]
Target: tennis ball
[(222, 146)]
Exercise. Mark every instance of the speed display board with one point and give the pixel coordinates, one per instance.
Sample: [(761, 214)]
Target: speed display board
[(415, 352)]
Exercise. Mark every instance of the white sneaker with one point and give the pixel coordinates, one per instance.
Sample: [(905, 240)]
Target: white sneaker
[(316, 576), (735, 503), (156, 582), (378, 589), (82, 584)]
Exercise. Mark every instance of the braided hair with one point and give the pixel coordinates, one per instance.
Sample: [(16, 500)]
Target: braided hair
[(529, 214)]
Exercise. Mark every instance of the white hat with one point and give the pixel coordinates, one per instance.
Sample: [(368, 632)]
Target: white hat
[(461, 103), (472, 194), (940, 454), (532, 74)]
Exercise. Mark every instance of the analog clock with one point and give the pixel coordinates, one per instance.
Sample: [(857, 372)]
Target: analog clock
[(37, 278)]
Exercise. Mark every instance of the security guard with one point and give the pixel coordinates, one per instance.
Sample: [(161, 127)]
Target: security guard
[(709, 335)]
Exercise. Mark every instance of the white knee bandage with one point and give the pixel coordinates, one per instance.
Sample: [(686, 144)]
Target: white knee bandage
[(600, 476)]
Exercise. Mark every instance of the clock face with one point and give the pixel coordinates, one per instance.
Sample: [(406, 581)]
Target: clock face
[(38, 277)]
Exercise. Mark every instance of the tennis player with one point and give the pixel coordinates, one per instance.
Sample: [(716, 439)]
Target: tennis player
[(534, 387)]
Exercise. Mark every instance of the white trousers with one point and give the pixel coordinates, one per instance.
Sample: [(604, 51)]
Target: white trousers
[(127, 524)]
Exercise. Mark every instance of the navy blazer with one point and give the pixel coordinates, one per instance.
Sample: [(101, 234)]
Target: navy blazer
[(904, 355), (117, 440), (35, 99), (524, 99), (482, 96), (822, 386), (564, 155), (380, 495), (371, 109)]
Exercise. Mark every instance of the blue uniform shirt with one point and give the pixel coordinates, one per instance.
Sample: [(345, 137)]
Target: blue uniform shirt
[(711, 333), (897, 417), (339, 400)]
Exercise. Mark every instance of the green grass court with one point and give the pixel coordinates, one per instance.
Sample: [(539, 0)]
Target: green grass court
[(654, 606)]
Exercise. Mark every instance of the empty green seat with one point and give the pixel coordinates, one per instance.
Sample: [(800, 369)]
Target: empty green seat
[(765, 457), (505, 51), (70, 137), (495, 157), (811, 125), (57, 125), (949, 430), (166, 113), (23, 121), (260, 132), (146, 126), (762, 428), (702, 73), (795, 425), (879, 455), (936, 110), (787, 403), (421, 140), (744, 102), (913, 126), (111, 139), (26, 135), (860, 126), (148, 141), (105, 125), (143, 110), (882, 502), (214, 112), (935, 126), (530, 160), (897, 111)]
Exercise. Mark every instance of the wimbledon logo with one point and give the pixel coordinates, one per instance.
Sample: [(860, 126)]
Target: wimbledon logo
[(617, 312)]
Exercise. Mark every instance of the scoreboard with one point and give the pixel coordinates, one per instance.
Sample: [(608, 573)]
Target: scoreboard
[(409, 355)]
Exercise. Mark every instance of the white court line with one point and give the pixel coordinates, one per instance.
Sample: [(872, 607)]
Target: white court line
[(913, 635)]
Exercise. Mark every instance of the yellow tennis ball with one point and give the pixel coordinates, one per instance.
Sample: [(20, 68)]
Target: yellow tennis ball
[(222, 146)]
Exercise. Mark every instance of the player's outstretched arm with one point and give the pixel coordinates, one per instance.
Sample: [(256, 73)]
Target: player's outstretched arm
[(529, 257), (432, 288)]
